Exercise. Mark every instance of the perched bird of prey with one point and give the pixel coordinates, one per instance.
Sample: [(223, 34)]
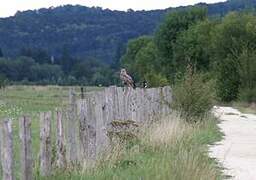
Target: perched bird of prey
[(126, 79)]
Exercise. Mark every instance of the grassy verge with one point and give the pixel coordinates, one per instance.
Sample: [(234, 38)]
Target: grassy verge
[(170, 149), (245, 107)]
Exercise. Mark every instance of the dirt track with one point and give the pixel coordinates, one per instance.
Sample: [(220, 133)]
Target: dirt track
[(237, 151)]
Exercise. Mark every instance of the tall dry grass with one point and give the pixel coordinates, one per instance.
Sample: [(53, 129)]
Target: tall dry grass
[(166, 132), (186, 158), (168, 149)]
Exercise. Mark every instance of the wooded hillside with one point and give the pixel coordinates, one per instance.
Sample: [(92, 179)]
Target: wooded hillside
[(88, 32)]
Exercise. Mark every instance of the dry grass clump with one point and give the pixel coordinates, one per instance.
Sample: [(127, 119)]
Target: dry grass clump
[(183, 156), (166, 132), (193, 165)]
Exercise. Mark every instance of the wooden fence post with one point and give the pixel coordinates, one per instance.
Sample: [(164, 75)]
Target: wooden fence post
[(72, 130), (83, 130), (7, 149), (61, 151), (91, 127), (101, 130), (45, 144), (26, 148), (87, 128), (82, 92)]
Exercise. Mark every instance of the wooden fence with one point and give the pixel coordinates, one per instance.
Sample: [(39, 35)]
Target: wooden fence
[(82, 129)]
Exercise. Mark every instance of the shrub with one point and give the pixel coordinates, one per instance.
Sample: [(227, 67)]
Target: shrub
[(248, 95), (247, 72), (193, 97), (156, 80), (228, 80)]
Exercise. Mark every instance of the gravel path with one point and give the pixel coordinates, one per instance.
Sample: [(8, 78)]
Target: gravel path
[(237, 151)]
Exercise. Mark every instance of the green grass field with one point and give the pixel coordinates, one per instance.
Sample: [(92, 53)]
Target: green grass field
[(164, 151), (34, 99), (16, 101)]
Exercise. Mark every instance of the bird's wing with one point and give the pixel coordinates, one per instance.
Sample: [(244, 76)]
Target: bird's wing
[(122, 77), (129, 78)]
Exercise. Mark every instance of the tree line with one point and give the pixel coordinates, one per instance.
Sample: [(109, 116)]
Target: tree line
[(223, 50), (36, 66)]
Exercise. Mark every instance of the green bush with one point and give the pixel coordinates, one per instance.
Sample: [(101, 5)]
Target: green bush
[(247, 71), (228, 80), (156, 80), (193, 97), (248, 95)]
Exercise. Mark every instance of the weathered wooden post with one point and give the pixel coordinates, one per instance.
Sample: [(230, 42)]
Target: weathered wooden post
[(166, 99), (45, 144), (6, 140), (120, 103), (61, 151), (91, 127), (101, 118), (83, 130), (26, 148), (72, 129), (82, 92), (127, 102), (139, 106), (87, 127)]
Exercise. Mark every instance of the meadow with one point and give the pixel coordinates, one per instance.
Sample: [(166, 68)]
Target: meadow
[(16, 101)]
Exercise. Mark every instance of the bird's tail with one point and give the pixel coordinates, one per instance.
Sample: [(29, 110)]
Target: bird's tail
[(134, 85)]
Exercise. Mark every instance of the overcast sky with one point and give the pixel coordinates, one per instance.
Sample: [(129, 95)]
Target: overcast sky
[(9, 7)]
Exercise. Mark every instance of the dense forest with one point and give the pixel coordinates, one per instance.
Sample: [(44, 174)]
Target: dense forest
[(85, 32), (78, 45)]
